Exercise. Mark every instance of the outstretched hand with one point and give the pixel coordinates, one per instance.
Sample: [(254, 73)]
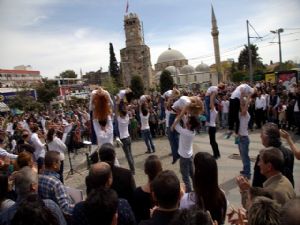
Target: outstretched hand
[(284, 134)]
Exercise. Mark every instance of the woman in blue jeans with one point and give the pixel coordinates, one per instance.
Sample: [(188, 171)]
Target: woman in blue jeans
[(145, 129)]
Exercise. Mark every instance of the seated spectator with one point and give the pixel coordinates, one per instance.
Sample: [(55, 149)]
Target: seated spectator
[(271, 162), (32, 210), (207, 193), (165, 189), (264, 211), (50, 187), (289, 214), (193, 216), (100, 205), (142, 195), (270, 137), (100, 176), (26, 182), (123, 181), (5, 202)]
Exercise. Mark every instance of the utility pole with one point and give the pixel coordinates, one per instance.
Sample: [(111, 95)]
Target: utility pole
[(280, 30), (250, 55)]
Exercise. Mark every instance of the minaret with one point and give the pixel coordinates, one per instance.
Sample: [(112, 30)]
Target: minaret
[(215, 34)]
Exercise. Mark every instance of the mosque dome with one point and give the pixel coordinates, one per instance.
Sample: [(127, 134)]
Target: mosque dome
[(187, 69), (173, 70), (170, 55), (202, 68)]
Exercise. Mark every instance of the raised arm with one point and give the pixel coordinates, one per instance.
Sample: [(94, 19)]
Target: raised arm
[(284, 134)]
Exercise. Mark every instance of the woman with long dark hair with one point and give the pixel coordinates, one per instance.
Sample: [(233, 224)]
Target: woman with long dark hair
[(207, 194)]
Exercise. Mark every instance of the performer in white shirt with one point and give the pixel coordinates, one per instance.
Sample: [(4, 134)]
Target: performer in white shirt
[(210, 98), (243, 138), (260, 107), (145, 129), (185, 150), (225, 110), (39, 147), (243, 90), (212, 133)]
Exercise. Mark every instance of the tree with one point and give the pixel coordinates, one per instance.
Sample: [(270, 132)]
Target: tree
[(24, 101), (165, 81), (137, 86), (110, 85), (68, 74), (47, 91), (243, 62), (113, 66), (238, 76)]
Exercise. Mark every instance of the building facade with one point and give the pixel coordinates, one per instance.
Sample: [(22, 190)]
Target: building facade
[(135, 57), (19, 78)]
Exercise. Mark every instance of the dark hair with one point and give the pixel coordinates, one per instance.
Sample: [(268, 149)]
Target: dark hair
[(274, 156), (107, 154), (101, 205), (144, 111), (34, 128), (205, 182), (3, 187), (194, 122), (103, 122), (32, 211), (152, 167), (50, 134), (129, 96), (166, 188), (24, 159), (50, 158), (98, 176), (192, 216), (272, 132)]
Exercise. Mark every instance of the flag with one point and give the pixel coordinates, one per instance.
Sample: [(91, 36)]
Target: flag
[(127, 6)]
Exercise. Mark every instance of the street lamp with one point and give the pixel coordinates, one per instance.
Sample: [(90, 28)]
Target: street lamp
[(280, 30)]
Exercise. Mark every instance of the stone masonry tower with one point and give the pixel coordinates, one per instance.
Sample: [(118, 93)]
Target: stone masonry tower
[(135, 58), (215, 35)]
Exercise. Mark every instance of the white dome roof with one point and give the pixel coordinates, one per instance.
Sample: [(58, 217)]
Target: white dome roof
[(202, 68), (173, 70), (170, 55), (187, 69)]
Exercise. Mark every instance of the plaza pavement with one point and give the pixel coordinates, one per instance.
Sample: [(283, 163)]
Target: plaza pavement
[(228, 166)]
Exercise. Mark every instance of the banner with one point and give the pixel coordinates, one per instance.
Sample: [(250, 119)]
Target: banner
[(270, 77)]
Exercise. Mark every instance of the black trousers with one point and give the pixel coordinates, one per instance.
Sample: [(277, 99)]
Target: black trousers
[(233, 117), (212, 139), (259, 115)]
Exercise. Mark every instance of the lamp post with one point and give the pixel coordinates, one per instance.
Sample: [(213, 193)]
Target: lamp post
[(280, 30)]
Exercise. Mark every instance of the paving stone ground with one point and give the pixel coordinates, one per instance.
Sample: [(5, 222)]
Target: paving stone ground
[(228, 166)]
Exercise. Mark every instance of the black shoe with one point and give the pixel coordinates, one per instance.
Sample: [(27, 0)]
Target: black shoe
[(174, 161), (147, 152), (153, 150)]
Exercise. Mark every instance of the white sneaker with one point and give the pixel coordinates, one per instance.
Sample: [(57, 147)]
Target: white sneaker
[(119, 142)]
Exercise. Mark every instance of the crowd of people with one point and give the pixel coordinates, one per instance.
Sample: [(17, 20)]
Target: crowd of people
[(33, 148)]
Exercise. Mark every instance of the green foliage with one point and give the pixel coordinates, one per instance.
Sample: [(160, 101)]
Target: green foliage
[(68, 74), (239, 76), (137, 86), (110, 85), (243, 61), (113, 66), (166, 81), (47, 91), (25, 102), (285, 66)]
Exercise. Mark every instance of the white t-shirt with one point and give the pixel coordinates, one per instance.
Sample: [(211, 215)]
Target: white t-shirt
[(211, 89), (296, 107), (121, 94), (245, 88), (123, 126), (244, 120), (104, 136), (167, 117), (186, 137), (213, 117), (182, 102), (144, 121), (59, 146), (225, 106), (167, 94)]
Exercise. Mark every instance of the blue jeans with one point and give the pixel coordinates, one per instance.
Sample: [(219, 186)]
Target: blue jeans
[(146, 134), (224, 120), (173, 138), (207, 107), (187, 172), (128, 154), (244, 152)]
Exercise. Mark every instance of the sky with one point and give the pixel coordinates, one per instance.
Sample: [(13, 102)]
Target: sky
[(55, 35)]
